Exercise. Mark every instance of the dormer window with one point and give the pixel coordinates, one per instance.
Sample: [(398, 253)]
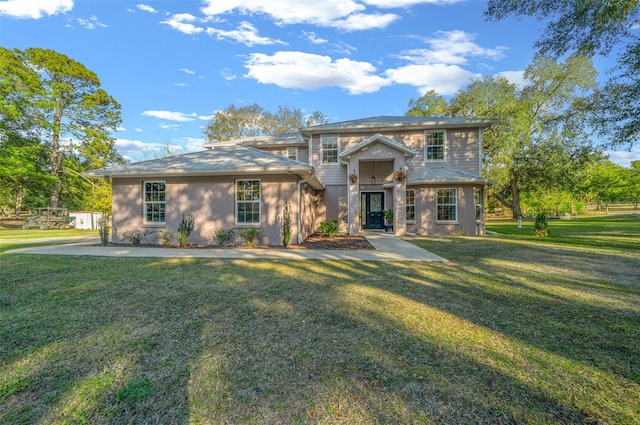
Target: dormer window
[(434, 147)]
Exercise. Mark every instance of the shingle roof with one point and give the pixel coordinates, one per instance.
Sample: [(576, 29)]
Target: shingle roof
[(382, 139), (381, 122), (286, 139), (431, 175), (219, 160)]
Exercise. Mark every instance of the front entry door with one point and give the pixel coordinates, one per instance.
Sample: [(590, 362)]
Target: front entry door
[(372, 205)]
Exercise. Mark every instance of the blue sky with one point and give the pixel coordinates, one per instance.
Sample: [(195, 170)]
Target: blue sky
[(172, 64)]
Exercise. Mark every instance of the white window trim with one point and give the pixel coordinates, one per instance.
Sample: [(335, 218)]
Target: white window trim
[(337, 162), (259, 201), (292, 149), (444, 145), (456, 205), (145, 202), (411, 221)]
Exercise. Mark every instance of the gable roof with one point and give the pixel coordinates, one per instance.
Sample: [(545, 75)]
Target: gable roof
[(218, 160), (381, 139), (388, 122), (430, 175)]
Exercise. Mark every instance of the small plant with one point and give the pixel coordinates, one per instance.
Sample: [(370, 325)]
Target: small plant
[(166, 237), (103, 229), (184, 230), (330, 228), (249, 235), (223, 236), (541, 226), (388, 215), (135, 237), (286, 224)]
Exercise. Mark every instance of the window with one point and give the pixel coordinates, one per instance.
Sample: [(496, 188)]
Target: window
[(248, 201), (154, 202), (434, 145), (329, 149), (292, 153), (411, 204), (447, 205)]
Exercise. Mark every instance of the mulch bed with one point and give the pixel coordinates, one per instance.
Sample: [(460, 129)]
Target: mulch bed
[(318, 241), (315, 241)]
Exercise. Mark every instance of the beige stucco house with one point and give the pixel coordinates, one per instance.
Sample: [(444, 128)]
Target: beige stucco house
[(426, 170)]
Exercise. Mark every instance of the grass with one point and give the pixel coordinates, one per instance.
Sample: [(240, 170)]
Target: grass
[(513, 329)]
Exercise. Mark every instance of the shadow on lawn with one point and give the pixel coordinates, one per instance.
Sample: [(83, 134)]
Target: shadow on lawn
[(471, 341)]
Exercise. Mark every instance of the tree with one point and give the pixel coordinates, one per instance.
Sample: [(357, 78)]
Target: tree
[(634, 183), (588, 28), (604, 183), (550, 107), (253, 120), (65, 101), (24, 180), (430, 104)]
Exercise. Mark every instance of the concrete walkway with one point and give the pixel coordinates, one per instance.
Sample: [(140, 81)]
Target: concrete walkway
[(387, 248)]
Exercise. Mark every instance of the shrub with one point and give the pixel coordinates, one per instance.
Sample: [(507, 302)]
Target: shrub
[(103, 229), (541, 226), (223, 236), (184, 230), (286, 225), (166, 237), (135, 237), (388, 215), (330, 228), (249, 235)]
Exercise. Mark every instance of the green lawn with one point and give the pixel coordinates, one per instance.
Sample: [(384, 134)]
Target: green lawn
[(513, 329)]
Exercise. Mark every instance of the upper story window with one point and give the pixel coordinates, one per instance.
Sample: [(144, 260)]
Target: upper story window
[(447, 205), (329, 149), (248, 201), (292, 153), (434, 147), (154, 202)]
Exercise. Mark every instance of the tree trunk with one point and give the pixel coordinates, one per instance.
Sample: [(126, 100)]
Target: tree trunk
[(515, 197), (19, 198), (56, 159)]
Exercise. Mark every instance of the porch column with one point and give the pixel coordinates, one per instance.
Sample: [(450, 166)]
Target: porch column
[(353, 190), (399, 208)]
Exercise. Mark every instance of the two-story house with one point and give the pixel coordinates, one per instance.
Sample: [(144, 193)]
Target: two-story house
[(427, 171)]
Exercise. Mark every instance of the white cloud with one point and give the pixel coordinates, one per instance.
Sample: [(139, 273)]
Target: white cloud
[(391, 4), (167, 126), (299, 70), (625, 157), (91, 23), (183, 22), (180, 84), (362, 21), (444, 79), (450, 47), (34, 9), (312, 37), (515, 77), (139, 130), (146, 8), (186, 71), (246, 34), (316, 12), (171, 116)]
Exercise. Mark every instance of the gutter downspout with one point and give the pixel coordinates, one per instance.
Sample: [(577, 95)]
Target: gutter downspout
[(299, 201)]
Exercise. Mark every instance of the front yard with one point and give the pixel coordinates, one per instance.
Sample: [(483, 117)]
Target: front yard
[(513, 329)]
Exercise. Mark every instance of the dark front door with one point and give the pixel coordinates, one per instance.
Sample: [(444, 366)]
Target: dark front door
[(372, 206)]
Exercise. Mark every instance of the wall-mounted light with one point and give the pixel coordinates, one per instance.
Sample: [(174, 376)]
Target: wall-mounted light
[(373, 172), (373, 179)]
